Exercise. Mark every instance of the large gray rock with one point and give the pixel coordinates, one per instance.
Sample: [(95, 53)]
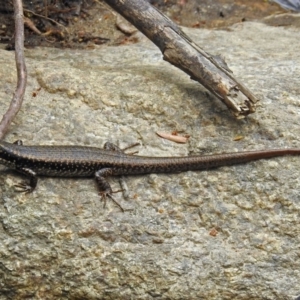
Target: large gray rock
[(229, 233)]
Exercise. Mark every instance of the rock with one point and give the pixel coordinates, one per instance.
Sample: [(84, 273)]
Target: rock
[(229, 233)]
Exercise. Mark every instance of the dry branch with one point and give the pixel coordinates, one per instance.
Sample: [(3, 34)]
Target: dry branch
[(18, 96), (179, 50)]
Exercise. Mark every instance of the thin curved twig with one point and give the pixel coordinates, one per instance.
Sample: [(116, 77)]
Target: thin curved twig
[(46, 18), (18, 96)]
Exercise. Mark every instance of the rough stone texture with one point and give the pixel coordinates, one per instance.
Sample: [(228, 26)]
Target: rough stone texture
[(229, 233)]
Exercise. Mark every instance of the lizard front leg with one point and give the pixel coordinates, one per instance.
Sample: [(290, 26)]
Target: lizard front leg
[(26, 187)]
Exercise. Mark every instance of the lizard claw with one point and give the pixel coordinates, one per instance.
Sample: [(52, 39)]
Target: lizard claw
[(105, 194), (23, 187)]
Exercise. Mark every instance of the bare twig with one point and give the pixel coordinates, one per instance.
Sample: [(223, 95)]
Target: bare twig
[(46, 18), (179, 50), (18, 96)]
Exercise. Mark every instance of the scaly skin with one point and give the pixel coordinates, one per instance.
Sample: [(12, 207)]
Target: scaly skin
[(80, 161)]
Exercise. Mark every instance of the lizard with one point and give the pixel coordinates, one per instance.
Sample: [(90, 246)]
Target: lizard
[(82, 161)]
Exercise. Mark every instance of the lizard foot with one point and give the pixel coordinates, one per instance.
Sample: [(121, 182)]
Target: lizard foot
[(24, 187), (107, 194)]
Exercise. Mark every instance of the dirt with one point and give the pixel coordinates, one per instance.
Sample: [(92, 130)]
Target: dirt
[(64, 26)]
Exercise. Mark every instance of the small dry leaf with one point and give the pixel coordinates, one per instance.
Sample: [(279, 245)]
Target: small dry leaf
[(174, 138), (213, 232), (35, 92), (31, 25), (125, 26), (238, 138)]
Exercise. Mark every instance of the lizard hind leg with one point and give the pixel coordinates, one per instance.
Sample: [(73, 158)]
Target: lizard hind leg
[(104, 186), (114, 147)]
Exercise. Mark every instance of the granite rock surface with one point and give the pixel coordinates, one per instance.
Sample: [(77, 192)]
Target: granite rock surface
[(228, 233)]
